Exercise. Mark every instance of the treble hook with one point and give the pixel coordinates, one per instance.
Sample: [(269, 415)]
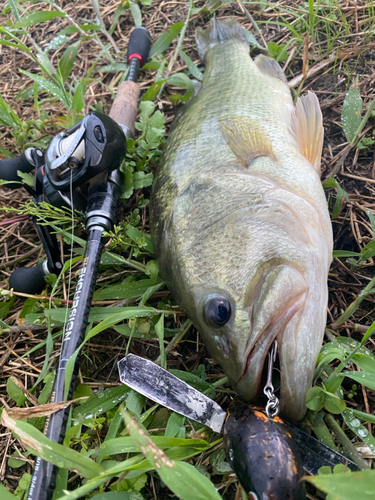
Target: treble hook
[(273, 404)]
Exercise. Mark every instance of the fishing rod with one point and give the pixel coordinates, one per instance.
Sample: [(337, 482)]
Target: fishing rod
[(80, 170)]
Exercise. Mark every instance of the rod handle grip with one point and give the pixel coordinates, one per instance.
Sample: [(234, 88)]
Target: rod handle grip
[(125, 106), (139, 45), (29, 280)]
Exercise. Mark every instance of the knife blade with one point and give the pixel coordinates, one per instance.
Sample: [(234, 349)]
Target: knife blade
[(158, 384), (164, 388)]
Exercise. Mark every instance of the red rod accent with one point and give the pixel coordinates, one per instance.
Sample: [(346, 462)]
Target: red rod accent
[(137, 56)]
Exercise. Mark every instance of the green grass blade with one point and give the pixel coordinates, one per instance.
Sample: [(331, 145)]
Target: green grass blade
[(359, 430), (67, 60), (13, 8), (346, 485), (136, 13), (9, 116), (141, 239), (126, 290), (175, 426), (124, 495), (94, 483), (57, 316), (364, 416), (57, 454), (351, 113), (187, 483), (50, 87), (39, 17), (192, 67), (182, 478), (368, 334), (5, 494), (165, 39), (181, 80), (78, 102), (345, 253), (367, 379), (19, 42), (100, 404), (128, 444), (341, 194), (159, 329)]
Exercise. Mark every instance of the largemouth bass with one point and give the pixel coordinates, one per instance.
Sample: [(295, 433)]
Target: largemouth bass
[(240, 221)]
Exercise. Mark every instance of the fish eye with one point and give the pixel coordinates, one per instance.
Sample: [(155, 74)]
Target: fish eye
[(217, 310)]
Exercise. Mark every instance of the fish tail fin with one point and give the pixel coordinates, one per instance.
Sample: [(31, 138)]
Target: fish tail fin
[(218, 32)]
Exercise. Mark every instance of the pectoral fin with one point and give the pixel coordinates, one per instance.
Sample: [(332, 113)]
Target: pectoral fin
[(247, 139), (307, 128)]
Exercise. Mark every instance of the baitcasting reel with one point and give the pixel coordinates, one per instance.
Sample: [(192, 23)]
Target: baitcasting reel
[(80, 171)]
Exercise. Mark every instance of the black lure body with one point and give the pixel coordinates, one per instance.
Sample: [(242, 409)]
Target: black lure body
[(263, 454)]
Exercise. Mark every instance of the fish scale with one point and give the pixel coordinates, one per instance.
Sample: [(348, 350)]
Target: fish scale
[(240, 221)]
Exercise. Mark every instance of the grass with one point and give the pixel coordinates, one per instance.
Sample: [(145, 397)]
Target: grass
[(70, 65)]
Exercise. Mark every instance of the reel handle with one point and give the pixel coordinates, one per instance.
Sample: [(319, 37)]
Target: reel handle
[(9, 167), (29, 280)]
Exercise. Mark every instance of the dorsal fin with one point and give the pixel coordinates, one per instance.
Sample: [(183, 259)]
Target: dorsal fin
[(247, 138), (307, 128), (219, 32), (270, 67)]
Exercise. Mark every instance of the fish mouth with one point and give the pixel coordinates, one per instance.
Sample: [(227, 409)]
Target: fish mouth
[(249, 383)]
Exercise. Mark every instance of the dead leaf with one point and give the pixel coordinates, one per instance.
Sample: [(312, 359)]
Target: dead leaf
[(29, 396), (40, 410)]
